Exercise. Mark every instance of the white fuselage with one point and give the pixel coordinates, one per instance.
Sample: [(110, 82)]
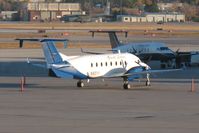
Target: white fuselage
[(145, 48), (104, 65)]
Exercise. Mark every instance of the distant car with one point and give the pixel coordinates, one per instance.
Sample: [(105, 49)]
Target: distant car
[(75, 18), (71, 18), (160, 22)]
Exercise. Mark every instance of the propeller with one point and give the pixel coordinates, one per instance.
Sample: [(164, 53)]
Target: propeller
[(149, 59), (177, 52), (135, 51)]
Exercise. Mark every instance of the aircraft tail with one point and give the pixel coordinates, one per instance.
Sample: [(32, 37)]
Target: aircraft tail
[(54, 59), (51, 53), (52, 56), (114, 40)]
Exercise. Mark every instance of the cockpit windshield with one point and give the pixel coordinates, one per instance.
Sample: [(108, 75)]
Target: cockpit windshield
[(164, 48)]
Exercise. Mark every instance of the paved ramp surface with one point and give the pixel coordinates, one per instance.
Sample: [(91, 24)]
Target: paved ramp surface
[(50, 105)]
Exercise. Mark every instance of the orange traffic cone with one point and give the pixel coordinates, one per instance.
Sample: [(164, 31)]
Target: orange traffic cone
[(192, 85)]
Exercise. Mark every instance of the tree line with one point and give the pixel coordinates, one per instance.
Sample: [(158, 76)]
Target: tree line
[(150, 5), (190, 7)]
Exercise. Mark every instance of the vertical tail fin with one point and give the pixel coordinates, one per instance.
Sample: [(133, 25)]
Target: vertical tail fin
[(51, 54), (54, 60), (114, 40)]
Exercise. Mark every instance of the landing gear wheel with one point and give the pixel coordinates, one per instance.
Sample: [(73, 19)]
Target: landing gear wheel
[(80, 84), (148, 83), (127, 86)]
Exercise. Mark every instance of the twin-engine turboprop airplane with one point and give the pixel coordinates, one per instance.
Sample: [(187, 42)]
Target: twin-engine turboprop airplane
[(145, 51), (116, 65)]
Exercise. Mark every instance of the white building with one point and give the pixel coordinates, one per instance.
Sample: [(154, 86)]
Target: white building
[(52, 11), (153, 17), (168, 6), (8, 15)]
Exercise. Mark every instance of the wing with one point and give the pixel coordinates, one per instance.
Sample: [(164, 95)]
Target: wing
[(36, 62), (116, 75), (150, 72), (21, 40)]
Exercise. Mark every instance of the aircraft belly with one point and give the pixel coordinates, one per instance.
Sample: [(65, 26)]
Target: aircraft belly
[(115, 72)]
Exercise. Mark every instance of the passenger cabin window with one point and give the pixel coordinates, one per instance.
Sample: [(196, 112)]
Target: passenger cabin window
[(116, 63), (101, 64), (111, 63), (96, 65), (106, 64), (91, 64), (120, 63)]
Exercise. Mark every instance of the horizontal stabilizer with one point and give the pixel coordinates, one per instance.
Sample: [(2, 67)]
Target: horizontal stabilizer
[(112, 36), (109, 31), (33, 62), (21, 40), (53, 40)]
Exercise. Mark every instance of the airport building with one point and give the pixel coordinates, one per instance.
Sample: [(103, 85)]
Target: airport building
[(169, 6), (9, 15), (41, 11), (153, 17)]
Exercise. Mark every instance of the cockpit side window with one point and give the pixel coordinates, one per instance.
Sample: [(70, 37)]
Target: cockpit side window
[(125, 63)]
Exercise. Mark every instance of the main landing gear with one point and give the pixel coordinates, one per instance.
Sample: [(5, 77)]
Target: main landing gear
[(148, 83), (126, 85), (80, 84)]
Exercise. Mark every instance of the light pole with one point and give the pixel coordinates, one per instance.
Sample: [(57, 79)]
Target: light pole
[(121, 7), (90, 7)]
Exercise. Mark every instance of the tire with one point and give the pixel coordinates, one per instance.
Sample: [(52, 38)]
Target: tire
[(148, 83), (80, 84), (126, 86)]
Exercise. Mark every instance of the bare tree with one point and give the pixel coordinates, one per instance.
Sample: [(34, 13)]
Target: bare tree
[(189, 10)]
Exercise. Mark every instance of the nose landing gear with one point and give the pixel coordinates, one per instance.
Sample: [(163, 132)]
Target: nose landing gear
[(126, 85), (148, 83)]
